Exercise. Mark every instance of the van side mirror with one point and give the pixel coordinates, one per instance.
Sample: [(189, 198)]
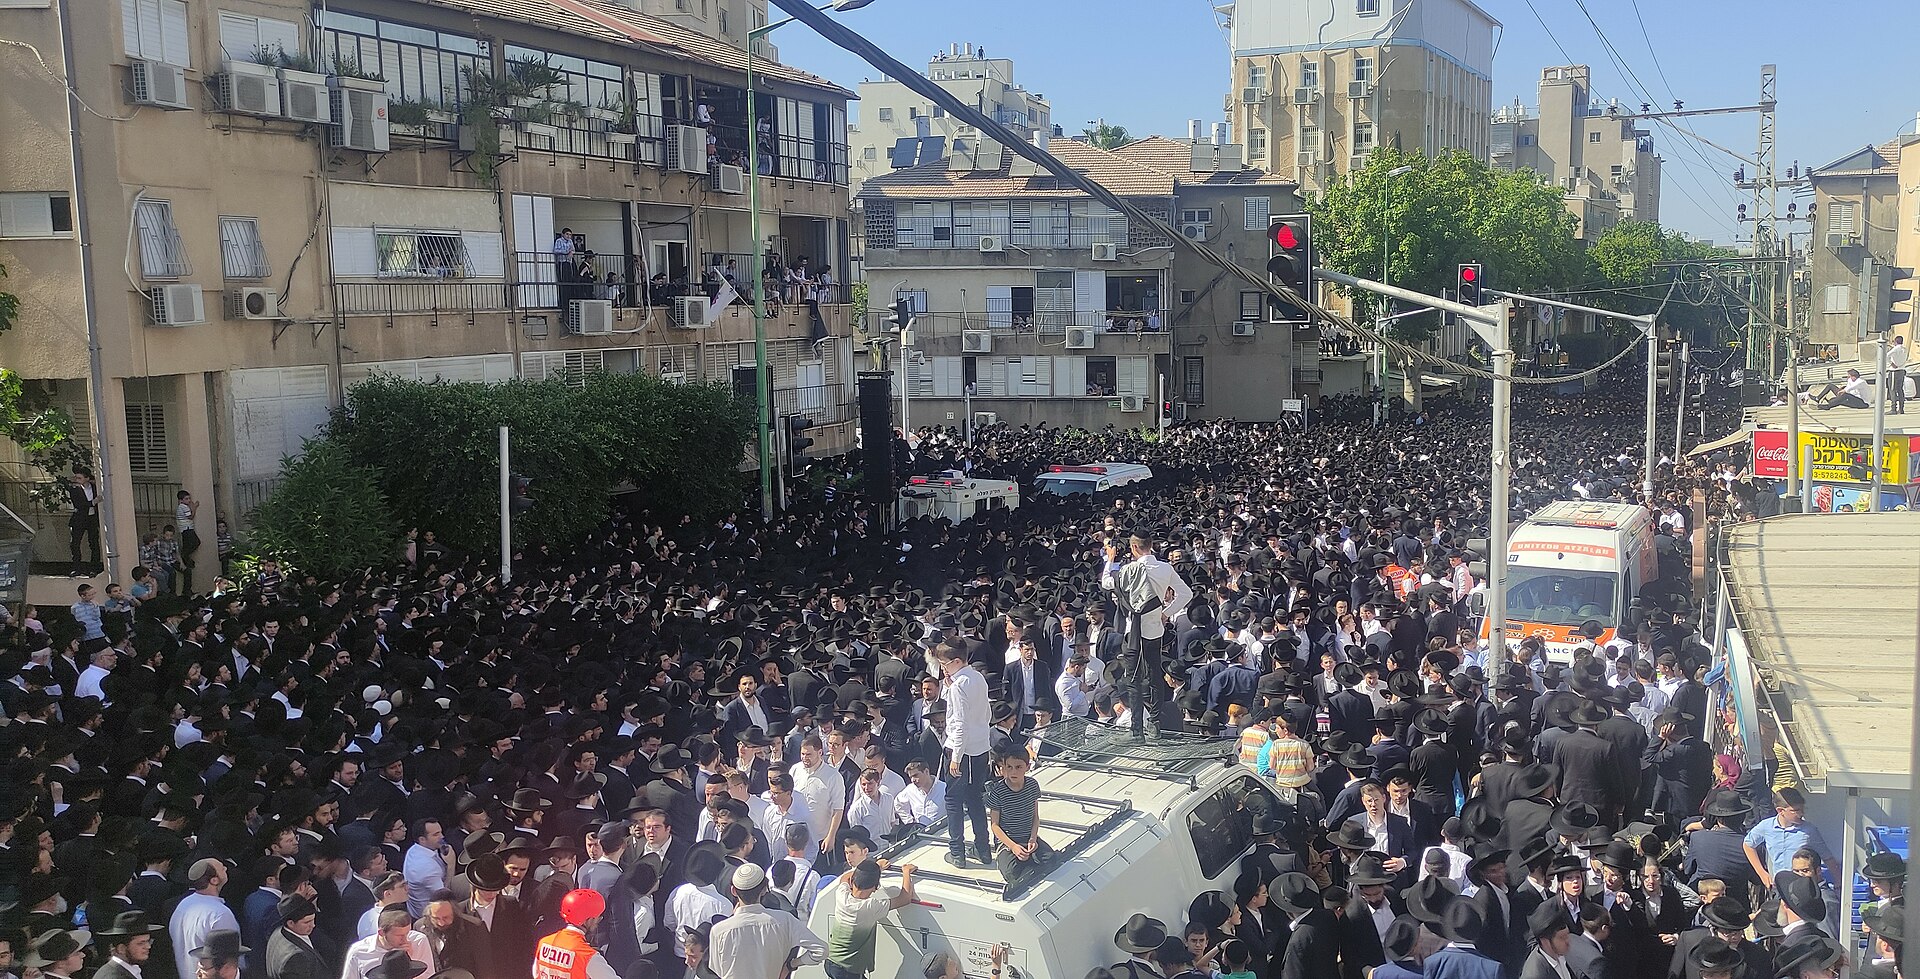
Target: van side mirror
[(1478, 569)]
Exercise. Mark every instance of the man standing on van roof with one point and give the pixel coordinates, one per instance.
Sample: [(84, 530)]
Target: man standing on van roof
[(1149, 592)]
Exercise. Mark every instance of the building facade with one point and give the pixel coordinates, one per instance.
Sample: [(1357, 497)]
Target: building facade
[(899, 129), (1604, 162), (266, 202), (1855, 225), (1315, 91)]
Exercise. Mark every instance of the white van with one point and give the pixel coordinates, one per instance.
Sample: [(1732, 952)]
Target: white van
[(955, 496), (1135, 826), (1577, 562), (1090, 479)]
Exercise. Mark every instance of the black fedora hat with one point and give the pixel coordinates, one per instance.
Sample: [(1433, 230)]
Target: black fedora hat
[(1400, 938), (487, 873), (1548, 918), (1431, 723), (222, 945), (1478, 820), (1589, 714), (128, 924), (1354, 758), (1621, 856), (396, 964), (58, 945), (1462, 922), (563, 844), (1532, 780), (1484, 855), (1428, 899), (1351, 836), (1535, 850), (1265, 822), (1140, 935), (1714, 955), (1802, 896), (1575, 819), (1885, 865), (671, 761), (1294, 893), (1369, 870), (1808, 950), (526, 800), (1727, 914)]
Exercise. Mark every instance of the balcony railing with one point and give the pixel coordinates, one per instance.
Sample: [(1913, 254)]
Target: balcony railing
[(1307, 375), (547, 281), (594, 138), (826, 404), (421, 296)]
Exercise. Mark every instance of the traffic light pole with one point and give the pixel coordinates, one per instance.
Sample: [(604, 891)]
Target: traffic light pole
[(506, 506), (1490, 324), (1647, 325)]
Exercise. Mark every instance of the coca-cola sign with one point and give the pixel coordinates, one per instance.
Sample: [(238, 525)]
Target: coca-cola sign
[(1770, 453)]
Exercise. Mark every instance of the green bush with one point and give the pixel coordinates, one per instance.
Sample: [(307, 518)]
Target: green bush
[(328, 515)]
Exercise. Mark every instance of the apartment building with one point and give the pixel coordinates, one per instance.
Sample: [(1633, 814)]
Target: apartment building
[(264, 202), (1856, 227), (1234, 356), (1033, 302), (1316, 89), (900, 129), (1605, 163)]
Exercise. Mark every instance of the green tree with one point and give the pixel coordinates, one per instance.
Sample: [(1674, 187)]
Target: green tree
[(44, 432), (328, 515), (1640, 260), (1107, 137), (9, 305)]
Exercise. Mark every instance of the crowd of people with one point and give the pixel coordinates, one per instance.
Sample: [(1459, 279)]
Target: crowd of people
[(648, 753)]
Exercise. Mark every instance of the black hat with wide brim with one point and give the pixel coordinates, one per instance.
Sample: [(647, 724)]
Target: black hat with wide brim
[(1140, 935)]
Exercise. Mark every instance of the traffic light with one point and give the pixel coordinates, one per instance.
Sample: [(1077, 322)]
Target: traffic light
[(1166, 412), (797, 442), (1467, 284), (522, 499), (1290, 263), (1857, 468), (1447, 316), (901, 319), (1663, 369), (1892, 305)]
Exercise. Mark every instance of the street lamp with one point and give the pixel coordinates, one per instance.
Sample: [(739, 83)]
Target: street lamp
[(1386, 276), (762, 393)]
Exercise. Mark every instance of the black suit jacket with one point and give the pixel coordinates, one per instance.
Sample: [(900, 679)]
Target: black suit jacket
[(1683, 771), (288, 957), (1313, 950), (1759, 963), (1590, 773), (1359, 940), (1011, 682), (1587, 961)]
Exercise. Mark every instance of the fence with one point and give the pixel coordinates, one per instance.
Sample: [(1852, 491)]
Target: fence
[(416, 296), (826, 404), (596, 141), (540, 284)]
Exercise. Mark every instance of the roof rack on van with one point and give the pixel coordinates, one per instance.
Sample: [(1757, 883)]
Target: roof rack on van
[(1093, 746), (1084, 837)]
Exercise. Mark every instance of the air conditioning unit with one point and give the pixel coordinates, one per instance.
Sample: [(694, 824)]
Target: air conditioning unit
[(593, 317), (1106, 251), (1841, 239), (253, 304), (976, 342), (1357, 161), (690, 312), (1079, 338), (992, 244), (250, 88), (1303, 159), (1359, 90), (1252, 96), (359, 114), (506, 138), (1133, 402), (1194, 230), (160, 84), (985, 418), (1243, 329), (687, 148), (1305, 96), (179, 304), (731, 179), (303, 96)]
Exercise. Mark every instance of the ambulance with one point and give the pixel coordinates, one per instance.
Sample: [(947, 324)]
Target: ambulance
[(955, 496), (1136, 827), (1091, 479), (1573, 564)]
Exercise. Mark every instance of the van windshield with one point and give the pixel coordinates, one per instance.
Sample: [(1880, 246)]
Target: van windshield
[(1557, 596), (1066, 487)]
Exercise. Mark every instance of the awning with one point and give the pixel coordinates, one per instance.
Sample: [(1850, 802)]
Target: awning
[(1726, 442)]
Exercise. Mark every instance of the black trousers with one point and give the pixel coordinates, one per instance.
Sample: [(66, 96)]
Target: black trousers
[(83, 526), (189, 543), (1897, 389)]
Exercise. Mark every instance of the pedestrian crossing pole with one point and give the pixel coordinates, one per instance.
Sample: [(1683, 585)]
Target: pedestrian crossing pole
[(506, 507)]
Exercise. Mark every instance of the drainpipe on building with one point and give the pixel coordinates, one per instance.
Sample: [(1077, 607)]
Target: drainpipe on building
[(96, 381)]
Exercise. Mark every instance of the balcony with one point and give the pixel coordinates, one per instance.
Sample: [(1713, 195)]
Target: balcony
[(593, 138), (1307, 375), (539, 283), (420, 296)]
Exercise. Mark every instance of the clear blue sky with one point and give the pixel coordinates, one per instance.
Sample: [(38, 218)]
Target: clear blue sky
[(1845, 69)]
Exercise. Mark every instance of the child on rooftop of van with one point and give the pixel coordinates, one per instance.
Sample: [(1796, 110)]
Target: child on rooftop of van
[(1013, 813)]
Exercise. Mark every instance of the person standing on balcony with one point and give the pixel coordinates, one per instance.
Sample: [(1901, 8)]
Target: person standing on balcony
[(822, 292), (563, 255), (84, 498), (185, 509)]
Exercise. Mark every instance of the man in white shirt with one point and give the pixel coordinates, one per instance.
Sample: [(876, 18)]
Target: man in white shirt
[(784, 808), (1897, 377), (697, 901), (200, 912), (1152, 591), (819, 785), (1076, 686), (924, 800), (396, 933), (426, 864), (872, 805), (757, 942), (969, 737), (99, 666)]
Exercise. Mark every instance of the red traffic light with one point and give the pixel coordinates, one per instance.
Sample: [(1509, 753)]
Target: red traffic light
[(1468, 273), (1285, 237)]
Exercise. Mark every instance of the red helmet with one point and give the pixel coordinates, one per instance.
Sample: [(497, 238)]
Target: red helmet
[(581, 906)]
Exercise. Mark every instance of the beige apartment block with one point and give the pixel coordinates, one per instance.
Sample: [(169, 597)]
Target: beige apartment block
[(1604, 162), (240, 243), (900, 129)]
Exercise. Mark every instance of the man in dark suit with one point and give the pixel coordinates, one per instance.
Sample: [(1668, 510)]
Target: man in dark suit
[(1719, 849), (1682, 766), (1371, 909), (1628, 738), (1394, 831), (290, 950), (1589, 769), (1551, 938), (1587, 953), (128, 940), (457, 941), (1530, 813), (507, 930), (1433, 765), (1726, 920), (1350, 710), (745, 710), (1027, 683), (1313, 945)]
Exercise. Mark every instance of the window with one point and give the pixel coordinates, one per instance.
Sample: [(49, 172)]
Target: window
[(1840, 216), (1362, 137), (156, 30), (146, 439), (419, 64), (1197, 215), (241, 35), (939, 113), (1221, 824), (1257, 144), (1310, 139), (913, 112), (1617, 171), (421, 254), (1310, 73), (1256, 211), (1250, 303), (162, 254), (1187, 296), (1363, 69), (241, 255), (870, 153), (1366, 8), (36, 215), (1193, 389), (1593, 137), (886, 115), (1839, 298), (916, 299), (1526, 141), (1257, 77)]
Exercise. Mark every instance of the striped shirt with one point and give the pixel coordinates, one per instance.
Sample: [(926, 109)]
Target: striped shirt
[(1291, 762), (1016, 808)]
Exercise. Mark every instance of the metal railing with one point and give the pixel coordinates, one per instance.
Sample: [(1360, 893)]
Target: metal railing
[(420, 296), (594, 139), (826, 404), (547, 281), (1001, 319)]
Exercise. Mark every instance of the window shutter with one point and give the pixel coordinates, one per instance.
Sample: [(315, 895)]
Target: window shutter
[(26, 215), (1257, 209), (1839, 298), (1089, 297), (1133, 377), (485, 259), (1070, 376), (1000, 306), (146, 439), (355, 253)]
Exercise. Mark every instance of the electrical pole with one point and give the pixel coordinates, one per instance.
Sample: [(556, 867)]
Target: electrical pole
[(1765, 193), (1499, 339), (1653, 410), (506, 506), (1680, 409), (1879, 416)]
